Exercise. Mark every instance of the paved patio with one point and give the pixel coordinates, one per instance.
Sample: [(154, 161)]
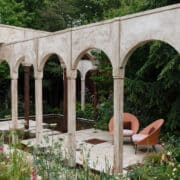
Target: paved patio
[(6, 126), (100, 156)]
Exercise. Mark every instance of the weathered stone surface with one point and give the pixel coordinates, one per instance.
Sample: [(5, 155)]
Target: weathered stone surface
[(10, 34), (160, 24)]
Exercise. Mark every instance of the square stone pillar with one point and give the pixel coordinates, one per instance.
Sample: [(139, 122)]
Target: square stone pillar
[(26, 95), (118, 122), (71, 121), (39, 109), (65, 108), (14, 103)]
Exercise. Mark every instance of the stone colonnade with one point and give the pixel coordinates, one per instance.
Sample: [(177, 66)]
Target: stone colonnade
[(118, 38)]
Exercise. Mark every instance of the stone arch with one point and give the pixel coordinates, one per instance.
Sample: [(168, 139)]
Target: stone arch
[(24, 60), (46, 57), (19, 61), (83, 52), (130, 51), (84, 66), (89, 57)]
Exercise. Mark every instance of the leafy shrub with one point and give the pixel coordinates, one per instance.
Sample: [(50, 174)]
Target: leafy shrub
[(87, 113), (162, 165), (16, 165), (48, 160), (105, 111), (51, 164), (153, 158)]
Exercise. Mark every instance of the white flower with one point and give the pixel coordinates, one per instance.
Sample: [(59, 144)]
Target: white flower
[(174, 169), (169, 153)]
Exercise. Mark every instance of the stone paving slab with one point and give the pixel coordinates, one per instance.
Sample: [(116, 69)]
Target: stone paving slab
[(100, 156), (7, 125)]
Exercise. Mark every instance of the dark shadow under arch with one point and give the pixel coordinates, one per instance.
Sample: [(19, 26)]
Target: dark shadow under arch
[(85, 53), (46, 58), (152, 83), (5, 91), (139, 44), (100, 88)]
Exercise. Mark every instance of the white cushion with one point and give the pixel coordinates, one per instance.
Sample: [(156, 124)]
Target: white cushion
[(127, 132), (138, 137)]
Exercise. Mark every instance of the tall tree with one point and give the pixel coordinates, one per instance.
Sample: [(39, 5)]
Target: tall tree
[(12, 13), (58, 14)]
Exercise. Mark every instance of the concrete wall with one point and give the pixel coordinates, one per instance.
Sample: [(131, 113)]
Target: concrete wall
[(10, 34), (162, 24)]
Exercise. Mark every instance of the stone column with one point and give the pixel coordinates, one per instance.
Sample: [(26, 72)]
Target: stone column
[(64, 123), (95, 101), (118, 121), (14, 102), (39, 109), (83, 86), (26, 95), (71, 121)]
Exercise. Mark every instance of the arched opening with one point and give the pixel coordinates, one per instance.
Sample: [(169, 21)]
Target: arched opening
[(54, 109), (5, 91), (98, 91), (152, 84)]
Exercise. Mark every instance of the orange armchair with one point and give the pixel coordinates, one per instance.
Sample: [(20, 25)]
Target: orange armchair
[(149, 135), (130, 122)]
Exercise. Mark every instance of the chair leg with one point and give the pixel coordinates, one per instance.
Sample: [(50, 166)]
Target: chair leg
[(147, 149), (154, 148), (135, 146), (131, 140)]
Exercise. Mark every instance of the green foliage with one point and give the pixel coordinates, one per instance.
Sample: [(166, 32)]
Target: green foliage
[(51, 164), (102, 77), (15, 165), (52, 85), (153, 158), (163, 165), (155, 78), (87, 113), (4, 89), (52, 67), (126, 7), (48, 161), (134, 6), (57, 14), (105, 112), (12, 13), (93, 10), (32, 14)]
